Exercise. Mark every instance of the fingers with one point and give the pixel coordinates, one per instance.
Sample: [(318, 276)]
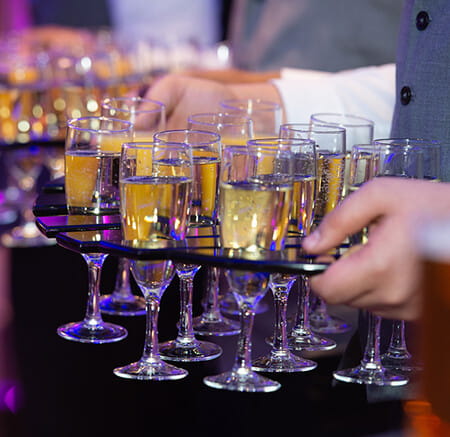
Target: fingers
[(382, 276), (353, 214), (164, 90)]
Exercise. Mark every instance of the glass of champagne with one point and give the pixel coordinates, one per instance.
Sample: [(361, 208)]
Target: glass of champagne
[(330, 143), (92, 155), (394, 161), (254, 211), (234, 129), (155, 192), (206, 155), (358, 130), (266, 116), (397, 356), (280, 358), (148, 116)]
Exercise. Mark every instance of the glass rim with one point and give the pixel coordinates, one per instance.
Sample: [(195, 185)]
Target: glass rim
[(151, 144), (365, 146), (405, 141), (159, 105), (71, 123), (367, 122), (267, 105), (307, 128), (187, 131), (194, 118), (287, 141)]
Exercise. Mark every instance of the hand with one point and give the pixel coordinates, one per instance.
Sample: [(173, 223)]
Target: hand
[(184, 95), (383, 276)]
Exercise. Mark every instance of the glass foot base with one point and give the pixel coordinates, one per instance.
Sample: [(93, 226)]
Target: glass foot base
[(401, 363), (228, 305), (189, 352), (246, 382), (378, 376), (156, 370), (84, 333), (284, 362), (326, 324), (133, 306), (310, 342), (218, 326)]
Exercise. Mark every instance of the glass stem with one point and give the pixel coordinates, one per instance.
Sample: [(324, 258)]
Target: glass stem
[(185, 330), (397, 344), (320, 308), (151, 346), (95, 262), (371, 358), (302, 318), (242, 363), (280, 295), (122, 289), (211, 301)]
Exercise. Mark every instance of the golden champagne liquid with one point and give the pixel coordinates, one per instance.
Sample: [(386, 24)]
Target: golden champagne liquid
[(204, 189), (92, 182), (154, 206), (113, 143), (254, 216), (331, 169), (303, 201), (234, 141)]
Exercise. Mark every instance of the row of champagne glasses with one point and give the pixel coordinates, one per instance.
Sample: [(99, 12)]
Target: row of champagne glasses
[(406, 158)]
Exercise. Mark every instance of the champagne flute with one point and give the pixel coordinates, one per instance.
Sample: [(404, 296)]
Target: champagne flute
[(92, 155), (206, 153), (394, 161), (148, 116), (280, 358), (330, 143), (155, 192), (266, 116), (358, 130), (254, 212), (233, 129), (397, 356)]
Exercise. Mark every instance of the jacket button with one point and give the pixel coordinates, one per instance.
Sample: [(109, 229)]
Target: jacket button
[(422, 20), (405, 95)]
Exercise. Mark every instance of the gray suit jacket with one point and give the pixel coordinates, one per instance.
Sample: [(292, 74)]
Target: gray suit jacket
[(423, 75), (328, 35)]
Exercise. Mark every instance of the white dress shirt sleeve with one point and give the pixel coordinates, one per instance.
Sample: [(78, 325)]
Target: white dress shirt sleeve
[(368, 92)]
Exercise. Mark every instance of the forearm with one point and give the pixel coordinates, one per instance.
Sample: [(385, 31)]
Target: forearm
[(368, 92)]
